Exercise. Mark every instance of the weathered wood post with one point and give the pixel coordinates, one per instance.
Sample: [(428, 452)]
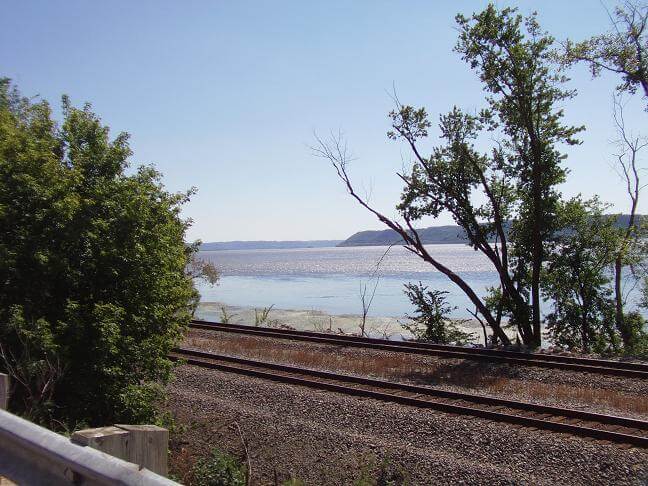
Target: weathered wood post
[(149, 447), (4, 391), (111, 440), (145, 445)]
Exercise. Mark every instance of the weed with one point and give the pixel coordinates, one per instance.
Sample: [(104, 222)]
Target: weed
[(225, 317), (262, 317), (385, 474), (218, 469)]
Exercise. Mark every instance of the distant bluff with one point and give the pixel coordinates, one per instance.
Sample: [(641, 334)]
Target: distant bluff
[(431, 235), (434, 234)]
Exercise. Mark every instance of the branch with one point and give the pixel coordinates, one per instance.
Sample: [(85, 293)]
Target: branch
[(335, 150)]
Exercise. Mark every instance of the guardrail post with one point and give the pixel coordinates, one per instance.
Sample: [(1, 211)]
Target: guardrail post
[(145, 445), (4, 391)]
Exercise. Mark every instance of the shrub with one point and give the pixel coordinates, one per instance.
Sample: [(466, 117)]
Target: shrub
[(431, 320), (219, 469), (636, 324), (93, 285)]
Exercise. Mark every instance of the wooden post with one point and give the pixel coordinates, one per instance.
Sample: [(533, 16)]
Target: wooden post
[(111, 440), (149, 447), (144, 445), (4, 391)]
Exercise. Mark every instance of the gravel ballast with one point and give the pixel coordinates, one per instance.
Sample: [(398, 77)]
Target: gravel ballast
[(328, 438)]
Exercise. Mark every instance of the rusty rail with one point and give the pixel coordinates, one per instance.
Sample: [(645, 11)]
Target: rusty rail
[(590, 365)]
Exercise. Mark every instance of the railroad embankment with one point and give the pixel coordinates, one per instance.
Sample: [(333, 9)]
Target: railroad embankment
[(329, 438), (327, 434)]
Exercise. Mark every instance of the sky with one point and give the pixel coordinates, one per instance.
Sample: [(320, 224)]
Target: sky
[(227, 96)]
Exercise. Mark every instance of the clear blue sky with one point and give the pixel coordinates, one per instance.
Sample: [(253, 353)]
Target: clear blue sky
[(225, 96)]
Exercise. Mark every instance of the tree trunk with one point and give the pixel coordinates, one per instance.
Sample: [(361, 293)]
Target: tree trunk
[(584, 335), (619, 318), (618, 297), (585, 326), (479, 305), (536, 252)]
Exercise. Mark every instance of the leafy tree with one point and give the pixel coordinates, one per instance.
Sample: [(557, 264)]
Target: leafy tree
[(637, 327), (516, 180), (631, 252), (93, 285), (576, 279), (431, 322), (623, 50)]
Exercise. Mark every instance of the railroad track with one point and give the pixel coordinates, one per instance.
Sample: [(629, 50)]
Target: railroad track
[(609, 367), (575, 422)]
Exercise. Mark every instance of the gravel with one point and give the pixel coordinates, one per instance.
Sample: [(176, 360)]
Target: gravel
[(327, 438)]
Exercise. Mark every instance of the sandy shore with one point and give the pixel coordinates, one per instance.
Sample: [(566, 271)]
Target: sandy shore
[(314, 320)]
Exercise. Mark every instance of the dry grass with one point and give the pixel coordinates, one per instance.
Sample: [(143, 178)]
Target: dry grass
[(479, 376), (181, 463)]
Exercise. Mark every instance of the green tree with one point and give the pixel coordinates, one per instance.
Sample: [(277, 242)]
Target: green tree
[(623, 50), (431, 321), (93, 285), (516, 180), (576, 279), (631, 252)]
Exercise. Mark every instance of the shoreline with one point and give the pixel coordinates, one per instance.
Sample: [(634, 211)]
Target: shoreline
[(320, 321)]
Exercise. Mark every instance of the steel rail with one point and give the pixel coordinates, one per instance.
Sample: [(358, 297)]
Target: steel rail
[(591, 365), (586, 424)]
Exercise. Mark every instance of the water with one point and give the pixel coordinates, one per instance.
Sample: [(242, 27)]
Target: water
[(329, 279)]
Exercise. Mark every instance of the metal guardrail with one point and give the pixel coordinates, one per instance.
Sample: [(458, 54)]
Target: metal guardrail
[(30, 454)]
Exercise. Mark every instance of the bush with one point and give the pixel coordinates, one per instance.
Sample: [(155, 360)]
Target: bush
[(93, 285), (576, 280), (637, 329), (219, 469), (431, 322)]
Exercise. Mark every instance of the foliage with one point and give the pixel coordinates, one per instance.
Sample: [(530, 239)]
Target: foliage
[(202, 269), (92, 267), (218, 469), (226, 317), (262, 317), (508, 194), (638, 345), (293, 482), (386, 473), (431, 323), (517, 179), (624, 50), (33, 364), (577, 279)]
